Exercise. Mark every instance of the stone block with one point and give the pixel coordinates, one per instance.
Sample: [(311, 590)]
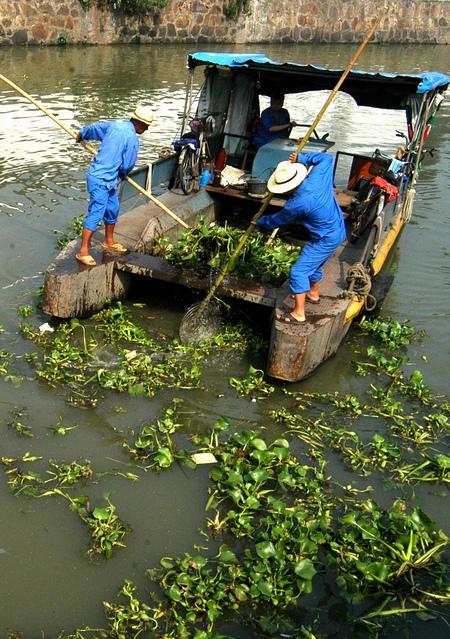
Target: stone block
[(182, 22), (40, 32), (305, 35), (20, 37)]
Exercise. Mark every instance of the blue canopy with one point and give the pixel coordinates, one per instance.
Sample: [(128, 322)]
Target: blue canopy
[(368, 88)]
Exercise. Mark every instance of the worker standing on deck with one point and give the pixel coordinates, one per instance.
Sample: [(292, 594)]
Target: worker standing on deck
[(308, 179), (114, 160)]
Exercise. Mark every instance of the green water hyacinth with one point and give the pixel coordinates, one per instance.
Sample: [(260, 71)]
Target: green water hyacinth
[(389, 332), (207, 248), (392, 554), (252, 384), (106, 530)]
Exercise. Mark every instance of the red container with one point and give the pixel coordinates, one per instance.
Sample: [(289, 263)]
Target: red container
[(221, 160)]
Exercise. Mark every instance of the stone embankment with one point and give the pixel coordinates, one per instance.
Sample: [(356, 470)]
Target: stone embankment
[(50, 22)]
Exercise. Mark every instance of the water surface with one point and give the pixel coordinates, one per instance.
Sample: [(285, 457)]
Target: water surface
[(47, 584)]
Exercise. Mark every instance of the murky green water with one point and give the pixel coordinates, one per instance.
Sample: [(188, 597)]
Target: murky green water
[(47, 584)]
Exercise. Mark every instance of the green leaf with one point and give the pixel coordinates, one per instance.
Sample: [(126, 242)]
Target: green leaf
[(265, 588), (240, 592), (252, 502), (376, 569), (174, 593), (234, 478), (281, 443), (280, 453), (265, 549), (443, 461), (183, 579), (166, 562), (100, 513), (259, 444), (305, 569), (227, 556), (164, 458), (259, 475)]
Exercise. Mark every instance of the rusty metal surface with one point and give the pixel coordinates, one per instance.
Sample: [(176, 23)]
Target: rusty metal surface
[(296, 350)]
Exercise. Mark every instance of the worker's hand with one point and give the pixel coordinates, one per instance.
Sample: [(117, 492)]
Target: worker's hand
[(293, 124), (293, 157), (78, 138)]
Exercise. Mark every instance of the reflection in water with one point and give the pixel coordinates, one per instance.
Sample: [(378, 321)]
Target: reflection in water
[(42, 187)]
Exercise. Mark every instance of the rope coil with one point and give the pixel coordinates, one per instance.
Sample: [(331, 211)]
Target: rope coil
[(360, 284)]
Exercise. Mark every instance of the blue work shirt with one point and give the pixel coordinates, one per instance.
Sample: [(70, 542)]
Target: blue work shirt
[(118, 150), (268, 120), (313, 203)]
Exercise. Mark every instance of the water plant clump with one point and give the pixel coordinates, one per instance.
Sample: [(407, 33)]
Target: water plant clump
[(107, 531), (17, 421), (393, 555), (252, 384), (207, 248), (138, 364), (7, 358), (114, 323), (282, 526), (153, 445), (277, 527), (64, 237), (389, 331)]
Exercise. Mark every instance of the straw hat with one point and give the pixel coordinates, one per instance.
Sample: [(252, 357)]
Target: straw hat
[(143, 114), (286, 177)]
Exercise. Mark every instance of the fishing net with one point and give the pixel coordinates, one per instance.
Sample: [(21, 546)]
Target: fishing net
[(201, 322)]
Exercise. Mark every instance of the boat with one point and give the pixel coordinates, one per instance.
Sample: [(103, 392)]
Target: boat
[(375, 190)]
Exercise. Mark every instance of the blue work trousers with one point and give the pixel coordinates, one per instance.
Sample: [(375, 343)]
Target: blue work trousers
[(103, 204), (309, 266)]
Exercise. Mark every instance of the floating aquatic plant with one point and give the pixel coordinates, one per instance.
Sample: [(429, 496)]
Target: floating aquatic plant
[(252, 384), (391, 555), (154, 445), (209, 246), (106, 530), (17, 423), (389, 332)]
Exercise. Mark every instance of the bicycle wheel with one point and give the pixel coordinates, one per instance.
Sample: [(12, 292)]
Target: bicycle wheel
[(185, 172)]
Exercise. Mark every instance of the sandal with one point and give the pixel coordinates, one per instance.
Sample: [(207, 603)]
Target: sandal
[(310, 300), (87, 260), (117, 247), (288, 318)]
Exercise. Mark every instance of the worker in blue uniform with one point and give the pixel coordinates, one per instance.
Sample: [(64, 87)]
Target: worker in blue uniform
[(114, 160), (308, 179), (275, 122)]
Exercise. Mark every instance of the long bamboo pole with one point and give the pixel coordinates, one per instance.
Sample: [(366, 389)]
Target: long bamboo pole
[(91, 149)]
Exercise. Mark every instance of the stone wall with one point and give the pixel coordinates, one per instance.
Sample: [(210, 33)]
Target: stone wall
[(34, 22)]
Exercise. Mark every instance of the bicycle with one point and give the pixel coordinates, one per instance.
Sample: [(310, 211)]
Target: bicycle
[(194, 155)]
